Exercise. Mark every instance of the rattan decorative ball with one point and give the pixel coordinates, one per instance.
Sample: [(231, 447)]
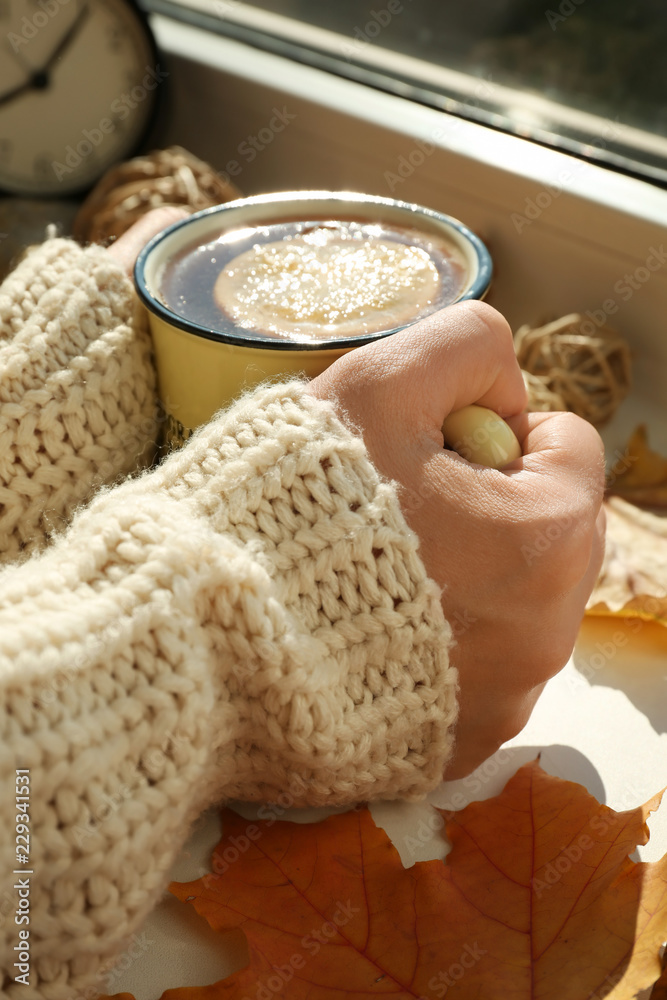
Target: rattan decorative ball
[(170, 176), (565, 368)]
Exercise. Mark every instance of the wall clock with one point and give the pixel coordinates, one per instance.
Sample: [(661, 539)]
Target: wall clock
[(79, 85)]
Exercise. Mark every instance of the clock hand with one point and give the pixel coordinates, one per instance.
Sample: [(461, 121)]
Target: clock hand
[(28, 85), (39, 79), (64, 42), (10, 95)]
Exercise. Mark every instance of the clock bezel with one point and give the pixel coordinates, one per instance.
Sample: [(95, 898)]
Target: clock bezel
[(155, 98)]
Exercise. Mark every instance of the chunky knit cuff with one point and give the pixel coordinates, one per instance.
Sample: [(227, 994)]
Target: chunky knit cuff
[(347, 692), (249, 618), (77, 388)]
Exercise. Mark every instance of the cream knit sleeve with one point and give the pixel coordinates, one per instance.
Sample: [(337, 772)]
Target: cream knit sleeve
[(77, 388), (250, 617)]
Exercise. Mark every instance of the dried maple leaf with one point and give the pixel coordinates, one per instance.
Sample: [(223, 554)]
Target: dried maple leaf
[(633, 578), (641, 474), (538, 898), (659, 991)]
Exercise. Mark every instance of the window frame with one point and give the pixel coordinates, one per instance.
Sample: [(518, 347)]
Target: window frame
[(587, 136)]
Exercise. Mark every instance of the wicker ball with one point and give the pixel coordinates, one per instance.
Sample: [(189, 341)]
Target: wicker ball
[(164, 177), (566, 369)]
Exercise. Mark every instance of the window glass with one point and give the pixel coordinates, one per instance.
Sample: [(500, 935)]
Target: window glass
[(586, 75)]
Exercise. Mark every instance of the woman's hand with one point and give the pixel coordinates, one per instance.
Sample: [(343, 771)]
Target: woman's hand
[(127, 247), (517, 552)]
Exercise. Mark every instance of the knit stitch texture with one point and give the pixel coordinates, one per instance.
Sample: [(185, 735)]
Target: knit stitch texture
[(252, 616), (77, 388)]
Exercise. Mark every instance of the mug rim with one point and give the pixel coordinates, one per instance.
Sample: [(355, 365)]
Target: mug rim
[(476, 288)]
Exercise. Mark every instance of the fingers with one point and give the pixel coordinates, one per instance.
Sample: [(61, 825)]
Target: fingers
[(460, 355), (557, 445), (559, 476), (559, 485), (127, 247), (491, 375)]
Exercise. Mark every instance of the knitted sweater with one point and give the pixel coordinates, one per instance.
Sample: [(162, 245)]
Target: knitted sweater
[(250, 617), (77, 389)]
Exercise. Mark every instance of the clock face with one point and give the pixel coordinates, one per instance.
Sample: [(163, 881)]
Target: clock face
[(78, 84)]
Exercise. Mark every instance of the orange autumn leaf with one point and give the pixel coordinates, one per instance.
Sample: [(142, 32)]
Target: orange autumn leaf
[(537, 898), (659, 991), (640, 476)]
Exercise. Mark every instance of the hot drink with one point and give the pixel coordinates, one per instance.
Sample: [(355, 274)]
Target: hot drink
[(313, 281)]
